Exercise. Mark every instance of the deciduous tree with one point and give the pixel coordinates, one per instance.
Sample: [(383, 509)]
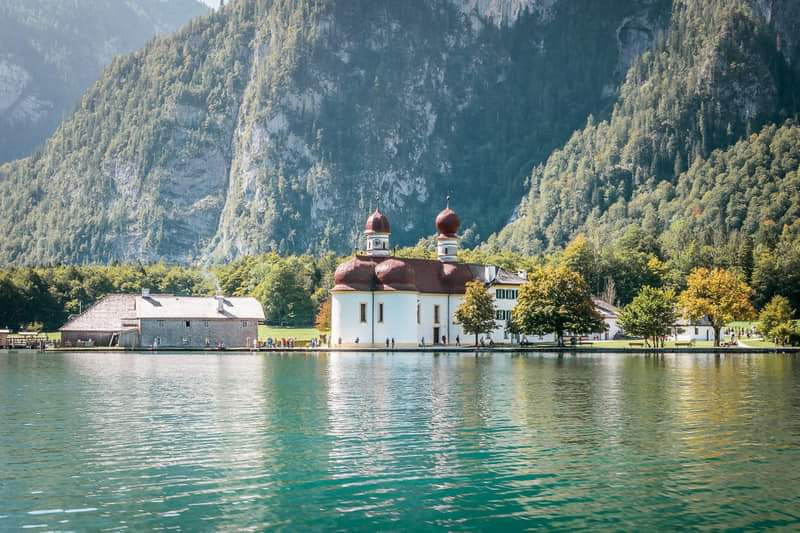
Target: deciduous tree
[(776, 320), (323, 319), (651, 314), (476, 312), (556, 300), (719, 295)]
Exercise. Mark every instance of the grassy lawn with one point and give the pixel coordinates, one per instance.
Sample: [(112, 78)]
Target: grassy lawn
[(300, 334), (758, 343)]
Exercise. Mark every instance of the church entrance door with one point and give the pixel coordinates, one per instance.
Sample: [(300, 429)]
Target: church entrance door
[(436, 336)]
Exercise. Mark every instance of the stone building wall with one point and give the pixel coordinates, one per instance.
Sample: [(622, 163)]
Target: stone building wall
[(233, 333)]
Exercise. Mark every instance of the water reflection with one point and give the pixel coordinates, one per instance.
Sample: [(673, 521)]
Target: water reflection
[(405, 441)]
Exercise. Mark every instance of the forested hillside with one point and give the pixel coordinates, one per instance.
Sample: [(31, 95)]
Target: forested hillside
[(52, 50), (726, 70), (272, 125)]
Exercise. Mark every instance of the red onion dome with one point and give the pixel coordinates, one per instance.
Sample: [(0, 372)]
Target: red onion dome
[(396, 274), (356, 275), (456, 275), (377, 223), (447, 223)]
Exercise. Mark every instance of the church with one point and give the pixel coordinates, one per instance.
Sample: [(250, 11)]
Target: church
[(378, 298)]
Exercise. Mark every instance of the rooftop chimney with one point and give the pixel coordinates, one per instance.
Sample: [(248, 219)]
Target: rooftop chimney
[(220, 302), (145, 293)]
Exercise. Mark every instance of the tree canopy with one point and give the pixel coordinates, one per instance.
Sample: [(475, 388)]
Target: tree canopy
[(718, 295), (476, 312), (556, 300), (776, 320), (651, 314)]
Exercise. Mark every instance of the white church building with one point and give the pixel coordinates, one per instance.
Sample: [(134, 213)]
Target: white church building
[(378, 298)]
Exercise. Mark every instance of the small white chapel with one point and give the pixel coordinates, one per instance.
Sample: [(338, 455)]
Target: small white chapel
[(379, 299)]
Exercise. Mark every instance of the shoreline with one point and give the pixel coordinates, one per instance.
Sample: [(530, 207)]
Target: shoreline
[(444, 350)]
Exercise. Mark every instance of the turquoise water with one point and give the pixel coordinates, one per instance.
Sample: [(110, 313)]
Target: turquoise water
[(183, 442)]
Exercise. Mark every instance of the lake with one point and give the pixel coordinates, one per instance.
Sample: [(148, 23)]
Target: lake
[(200, 442)]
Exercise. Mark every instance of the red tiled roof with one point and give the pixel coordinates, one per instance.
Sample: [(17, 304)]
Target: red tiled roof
[(364, 273)]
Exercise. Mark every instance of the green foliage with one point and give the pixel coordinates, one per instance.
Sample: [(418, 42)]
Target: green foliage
[(718, 295), (651, 314), (776, 320), (283, 297), (776, 268), (715, 78), (581, 257), (263, 126), (476, 312), (49, 295), (556, 300), (785, 333), (62, 47), (291, 289)]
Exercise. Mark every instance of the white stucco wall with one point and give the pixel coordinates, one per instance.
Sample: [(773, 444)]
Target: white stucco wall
[(694, 333), (613, 329), (446, 324), (499, 335), (399, 317)]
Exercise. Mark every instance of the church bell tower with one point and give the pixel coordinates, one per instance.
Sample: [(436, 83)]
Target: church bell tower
[(447, 224), (377, 231)]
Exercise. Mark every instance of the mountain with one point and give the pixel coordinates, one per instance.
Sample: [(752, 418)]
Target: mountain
[(52, 50), (678, 154), (274, 124)]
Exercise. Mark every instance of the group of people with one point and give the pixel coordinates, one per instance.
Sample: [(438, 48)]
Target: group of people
[(316, 343), (390, 341), (444, 341), (741, 332), (281, 343)]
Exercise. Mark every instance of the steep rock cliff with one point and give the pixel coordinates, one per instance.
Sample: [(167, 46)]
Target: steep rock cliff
[(272, 125), (51, 51)]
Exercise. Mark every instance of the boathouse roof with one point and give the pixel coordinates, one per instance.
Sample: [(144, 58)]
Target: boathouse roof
[(605, 309), (111, 312), (198, 307), (105, 315)]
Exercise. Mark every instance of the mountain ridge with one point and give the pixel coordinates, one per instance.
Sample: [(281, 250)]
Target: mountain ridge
[(718, 78), (51, 52), (272, 125)]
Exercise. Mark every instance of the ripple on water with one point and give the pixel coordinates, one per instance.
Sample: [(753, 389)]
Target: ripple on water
[(353, 441)]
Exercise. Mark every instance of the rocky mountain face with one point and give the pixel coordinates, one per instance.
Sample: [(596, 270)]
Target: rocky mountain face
[(275, 124), (52, 50)]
